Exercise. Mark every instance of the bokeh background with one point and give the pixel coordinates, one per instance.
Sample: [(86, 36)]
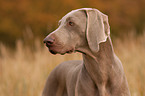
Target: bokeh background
[(25, 62)]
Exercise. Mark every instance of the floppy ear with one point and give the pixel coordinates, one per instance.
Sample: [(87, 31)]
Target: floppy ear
[(97, 28)]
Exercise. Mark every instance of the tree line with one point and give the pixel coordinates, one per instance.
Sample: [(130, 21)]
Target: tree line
[(27, 19)]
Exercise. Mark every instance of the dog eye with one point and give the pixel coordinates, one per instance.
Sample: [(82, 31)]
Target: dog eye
[(70, 23)]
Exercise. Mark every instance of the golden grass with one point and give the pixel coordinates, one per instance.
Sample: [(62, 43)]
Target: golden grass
[(23, 72), (131, 51)]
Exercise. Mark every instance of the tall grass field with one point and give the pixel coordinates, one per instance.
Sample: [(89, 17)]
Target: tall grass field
[(23, 71)]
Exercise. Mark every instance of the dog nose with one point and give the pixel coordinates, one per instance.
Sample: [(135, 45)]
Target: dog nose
[(49, 41)]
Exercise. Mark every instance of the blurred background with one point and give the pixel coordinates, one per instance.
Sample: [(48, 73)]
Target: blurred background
[(25, 62)]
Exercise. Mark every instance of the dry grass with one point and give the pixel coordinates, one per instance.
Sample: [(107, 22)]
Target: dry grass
[(23, 72), (131, 51)]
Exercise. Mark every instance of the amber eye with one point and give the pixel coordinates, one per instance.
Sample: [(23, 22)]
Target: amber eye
[(70, 23)]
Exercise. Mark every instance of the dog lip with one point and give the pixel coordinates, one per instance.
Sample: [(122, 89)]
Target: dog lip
[(70, 51), (53, 52), (48, 45), (62, 53)]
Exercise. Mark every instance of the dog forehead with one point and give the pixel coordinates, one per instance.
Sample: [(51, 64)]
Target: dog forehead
[(73, 13), (76, 13)]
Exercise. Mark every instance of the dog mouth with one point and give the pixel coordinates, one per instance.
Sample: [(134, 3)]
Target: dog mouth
[(70, 51), (62, 53), (52, 52), (55, 51)]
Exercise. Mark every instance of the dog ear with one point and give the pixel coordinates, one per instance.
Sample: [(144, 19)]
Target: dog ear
[(97, 29)]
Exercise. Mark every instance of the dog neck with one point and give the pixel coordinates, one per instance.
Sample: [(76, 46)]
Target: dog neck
[(100, 62), (103, 68)]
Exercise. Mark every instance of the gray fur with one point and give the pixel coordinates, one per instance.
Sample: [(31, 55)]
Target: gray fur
[(100, 73)]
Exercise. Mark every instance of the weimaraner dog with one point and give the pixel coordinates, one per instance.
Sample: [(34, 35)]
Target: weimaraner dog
[(100, 73)]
